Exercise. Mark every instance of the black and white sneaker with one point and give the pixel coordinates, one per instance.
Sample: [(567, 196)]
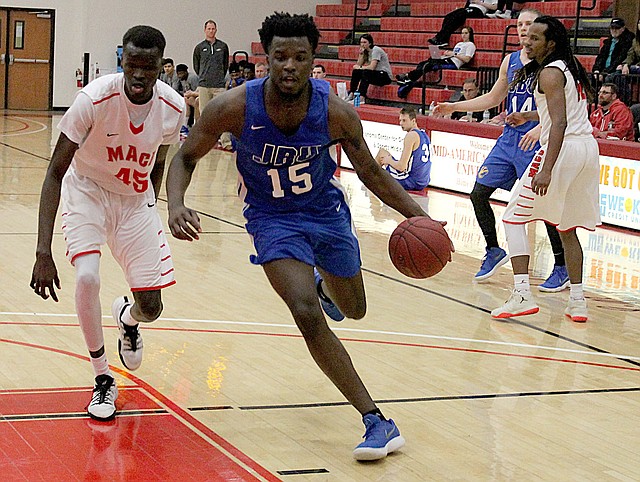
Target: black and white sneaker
[(437, 42), (103, 401), (129, 340)]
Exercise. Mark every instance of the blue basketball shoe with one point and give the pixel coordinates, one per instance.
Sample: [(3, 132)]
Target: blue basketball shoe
[(328, 306), (558, 280), (380, 439), (494, 258)]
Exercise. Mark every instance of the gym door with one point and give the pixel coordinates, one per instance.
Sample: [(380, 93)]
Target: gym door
[(26, 46)]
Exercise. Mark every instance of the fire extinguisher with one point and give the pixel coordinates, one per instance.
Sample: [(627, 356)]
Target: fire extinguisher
[(79, 78)]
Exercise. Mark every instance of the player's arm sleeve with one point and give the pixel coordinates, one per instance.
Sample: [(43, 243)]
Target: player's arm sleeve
[(78, 120)]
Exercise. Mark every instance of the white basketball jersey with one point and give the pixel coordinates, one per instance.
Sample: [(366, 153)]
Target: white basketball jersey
[(113, 152), (576, 100)]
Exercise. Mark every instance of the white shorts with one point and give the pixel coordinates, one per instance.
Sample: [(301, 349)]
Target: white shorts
[(572, 199), (129, 225)]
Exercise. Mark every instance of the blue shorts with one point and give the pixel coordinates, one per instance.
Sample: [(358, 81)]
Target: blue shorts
[(506, 163), (409, 183), (326, 239)]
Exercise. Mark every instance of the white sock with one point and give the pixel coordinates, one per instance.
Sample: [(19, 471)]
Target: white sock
[(521, 283), (126, 317), (101, 365), (575, 291)]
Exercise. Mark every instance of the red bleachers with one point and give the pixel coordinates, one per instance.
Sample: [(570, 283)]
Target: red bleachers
[(405, 40)]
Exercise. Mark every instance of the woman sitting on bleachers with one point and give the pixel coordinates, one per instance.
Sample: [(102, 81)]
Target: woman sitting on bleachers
[(461, 54), (372, 67)]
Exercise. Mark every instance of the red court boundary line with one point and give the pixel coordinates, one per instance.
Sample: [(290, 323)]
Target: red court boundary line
[(355, 340), (187, 417)]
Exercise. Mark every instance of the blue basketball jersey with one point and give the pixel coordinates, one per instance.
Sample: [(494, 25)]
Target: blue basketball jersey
[(418, 172), (520, 97), (286, 173)]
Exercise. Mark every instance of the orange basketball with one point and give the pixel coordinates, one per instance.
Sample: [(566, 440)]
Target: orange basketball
[(419, 247)]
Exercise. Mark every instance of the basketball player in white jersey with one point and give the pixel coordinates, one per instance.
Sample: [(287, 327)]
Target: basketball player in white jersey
[(107, 169), (561, 185)]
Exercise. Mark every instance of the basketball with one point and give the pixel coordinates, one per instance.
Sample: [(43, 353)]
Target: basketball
[(419, 247)]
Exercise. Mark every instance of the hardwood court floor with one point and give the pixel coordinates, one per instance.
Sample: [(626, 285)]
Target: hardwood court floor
[(227, 390)]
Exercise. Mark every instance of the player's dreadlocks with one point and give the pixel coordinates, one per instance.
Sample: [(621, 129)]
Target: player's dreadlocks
[(558, 33), (282, 24)]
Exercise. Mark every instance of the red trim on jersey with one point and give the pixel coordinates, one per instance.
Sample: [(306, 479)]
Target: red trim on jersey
[(106, 98), (526, 197), (162, 245), (522, 215), (85, 252), (153, 288), (165, 258), (159, 232), (136, 130), (523, 206), (166, 272), (177, 109)]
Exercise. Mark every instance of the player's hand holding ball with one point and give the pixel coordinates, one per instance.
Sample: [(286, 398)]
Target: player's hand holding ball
[(420, 247)]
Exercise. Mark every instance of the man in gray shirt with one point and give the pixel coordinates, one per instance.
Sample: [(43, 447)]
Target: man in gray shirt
[(210, 62)]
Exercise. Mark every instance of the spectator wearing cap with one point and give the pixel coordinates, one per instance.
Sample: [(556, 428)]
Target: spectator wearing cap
[(612, 119), (614, 49)]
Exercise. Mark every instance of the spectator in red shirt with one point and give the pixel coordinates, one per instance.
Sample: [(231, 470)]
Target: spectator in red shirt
[(612, 119)]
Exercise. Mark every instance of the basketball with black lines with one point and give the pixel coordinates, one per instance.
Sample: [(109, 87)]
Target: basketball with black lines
[(420, 247)]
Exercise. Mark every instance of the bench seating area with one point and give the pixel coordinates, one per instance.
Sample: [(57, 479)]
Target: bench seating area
[(404, 38)]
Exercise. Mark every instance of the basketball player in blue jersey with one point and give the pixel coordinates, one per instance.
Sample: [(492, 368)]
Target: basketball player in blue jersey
[(509, 158), (296, 211), (413, 169)]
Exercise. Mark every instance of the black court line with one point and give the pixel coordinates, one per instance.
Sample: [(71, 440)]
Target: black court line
[(48, 159), (199, 409), (211, 216), (53, 416), (480, 396), (510, 320), (302, 471)]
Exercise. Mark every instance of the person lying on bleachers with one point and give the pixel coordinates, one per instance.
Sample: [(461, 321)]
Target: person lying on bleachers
[(457, 18), (461, 54)]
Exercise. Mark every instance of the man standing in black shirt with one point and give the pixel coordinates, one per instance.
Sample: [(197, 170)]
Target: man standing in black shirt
[(210, 62)]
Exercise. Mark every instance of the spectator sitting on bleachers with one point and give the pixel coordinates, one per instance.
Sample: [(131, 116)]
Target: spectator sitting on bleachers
[(614, 49), (235, 76), (372, 67), (188, 87), (319, 72), (470, 91), (168, 76), (249, 71), (262, 70), (612, 119), (457, 18), (461, 54), (631, 64)]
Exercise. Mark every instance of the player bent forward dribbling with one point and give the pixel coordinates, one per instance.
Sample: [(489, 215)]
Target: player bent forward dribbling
[(295, 209)]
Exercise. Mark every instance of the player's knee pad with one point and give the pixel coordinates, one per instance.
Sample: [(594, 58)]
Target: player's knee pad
[(517, 239)]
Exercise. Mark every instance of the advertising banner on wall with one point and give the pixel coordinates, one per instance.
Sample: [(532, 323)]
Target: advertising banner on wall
[(457, 158)]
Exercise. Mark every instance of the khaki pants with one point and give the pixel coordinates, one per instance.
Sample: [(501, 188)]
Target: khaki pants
[(205, 94)]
